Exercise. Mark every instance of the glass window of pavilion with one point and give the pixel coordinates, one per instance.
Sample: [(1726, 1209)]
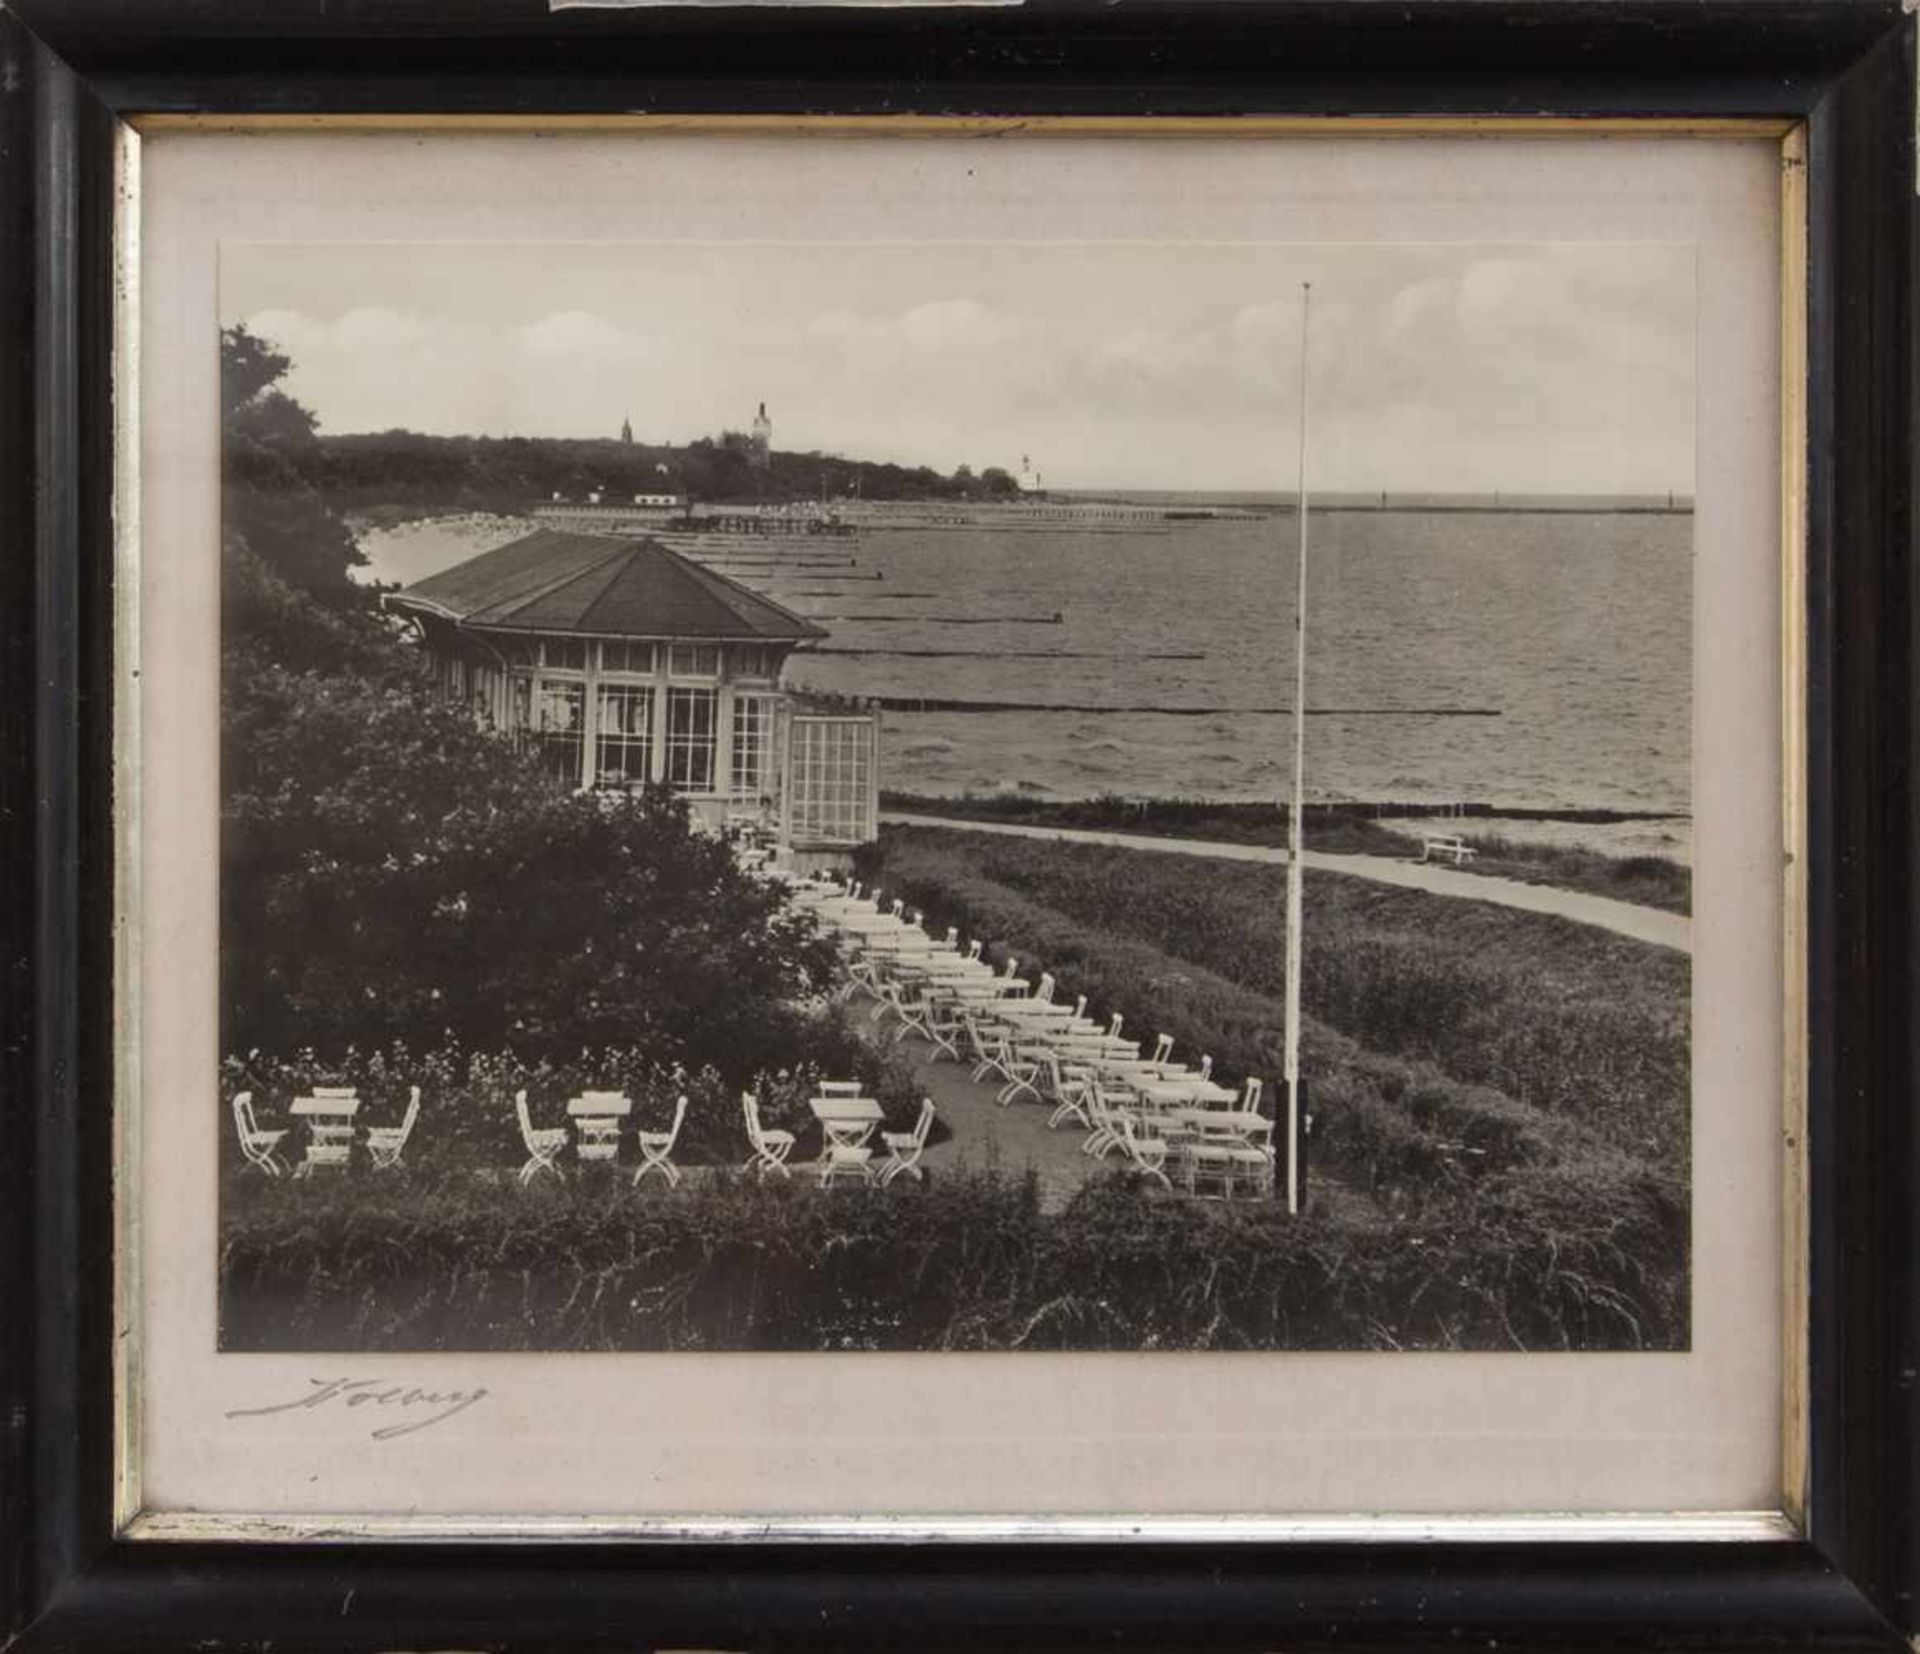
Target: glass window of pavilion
[(623, 664)]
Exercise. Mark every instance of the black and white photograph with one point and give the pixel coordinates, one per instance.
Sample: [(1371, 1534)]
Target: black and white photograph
[(923, 796)]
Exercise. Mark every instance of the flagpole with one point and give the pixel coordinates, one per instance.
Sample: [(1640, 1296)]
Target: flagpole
[(1299, 795)]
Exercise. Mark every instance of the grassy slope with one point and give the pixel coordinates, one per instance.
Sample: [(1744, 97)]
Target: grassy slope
[(1576, 1022), (1650, 881)]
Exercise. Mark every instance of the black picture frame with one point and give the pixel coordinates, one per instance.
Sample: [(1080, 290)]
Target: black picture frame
[(69, 69)]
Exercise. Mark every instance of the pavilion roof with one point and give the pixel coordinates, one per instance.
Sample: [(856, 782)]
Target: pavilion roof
[(602, 586)]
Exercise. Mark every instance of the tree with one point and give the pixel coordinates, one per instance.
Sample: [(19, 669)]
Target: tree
[(269, 506), (391, 870)]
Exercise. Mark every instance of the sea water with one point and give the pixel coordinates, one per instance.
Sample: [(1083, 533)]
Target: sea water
[(1526, 660)]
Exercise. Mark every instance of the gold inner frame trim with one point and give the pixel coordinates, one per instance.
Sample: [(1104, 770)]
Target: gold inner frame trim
[(1002, 126), (1795, 1452)]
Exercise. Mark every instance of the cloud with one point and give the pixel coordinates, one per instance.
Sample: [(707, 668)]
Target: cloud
[(1416, 309), (940, 327), (288, 330), (1506, 292), (1264, 345), (1158, 352), (365, 362), (368, 329), (574, 335), (955, 324)]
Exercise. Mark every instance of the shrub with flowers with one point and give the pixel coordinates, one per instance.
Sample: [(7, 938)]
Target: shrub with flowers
[(467, 1120)]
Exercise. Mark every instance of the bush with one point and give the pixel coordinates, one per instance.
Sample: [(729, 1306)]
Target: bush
[(393, 871), (967, 1263), (467, 1122)]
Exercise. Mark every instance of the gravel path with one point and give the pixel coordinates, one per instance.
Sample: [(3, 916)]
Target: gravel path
[(1645, 924), (1010, 1140)]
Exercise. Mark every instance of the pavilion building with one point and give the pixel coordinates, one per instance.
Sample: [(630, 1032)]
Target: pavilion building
[(624, 664)]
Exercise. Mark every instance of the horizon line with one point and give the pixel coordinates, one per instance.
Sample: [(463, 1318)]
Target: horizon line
[(1322, 492)]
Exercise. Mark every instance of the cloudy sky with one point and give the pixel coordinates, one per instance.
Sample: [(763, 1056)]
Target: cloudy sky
[(1541, 369)]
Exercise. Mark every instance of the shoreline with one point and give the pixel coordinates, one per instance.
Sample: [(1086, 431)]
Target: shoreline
[(1006, 806)]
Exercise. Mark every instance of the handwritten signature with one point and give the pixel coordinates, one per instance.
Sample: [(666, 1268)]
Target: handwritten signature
[(376, 1393)]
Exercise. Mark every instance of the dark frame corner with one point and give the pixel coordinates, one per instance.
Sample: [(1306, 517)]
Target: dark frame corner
[(70, 68)]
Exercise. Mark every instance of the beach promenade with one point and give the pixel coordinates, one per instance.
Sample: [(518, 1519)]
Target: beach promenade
[(1645, 924)]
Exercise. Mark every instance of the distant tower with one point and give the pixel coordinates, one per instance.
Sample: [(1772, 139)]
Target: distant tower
[(762, 438), (1030, 480), (626, 431)]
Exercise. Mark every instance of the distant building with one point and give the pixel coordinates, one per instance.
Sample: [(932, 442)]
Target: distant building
[(626, 431), (1029, 479), (624, 664), (762, 449)]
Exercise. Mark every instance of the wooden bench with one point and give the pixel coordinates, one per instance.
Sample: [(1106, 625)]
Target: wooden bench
[(1435, 845)]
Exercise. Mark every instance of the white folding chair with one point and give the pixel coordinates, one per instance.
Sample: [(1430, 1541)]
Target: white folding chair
[(1067, 1085), (656, 1149), (1162, 1049), (913, 1006), (840, 1088), (973, 950), (905, 1147), (1043, 990), (1104, 1110), (1144, 1153), (896, 996), (1250, 1096), (988, 1046), (1113, 1027), (543, 1145), (386, 1143), (260, 1147), (1022, 1061), (862, 968), (770, 1148), (940, 1022)]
